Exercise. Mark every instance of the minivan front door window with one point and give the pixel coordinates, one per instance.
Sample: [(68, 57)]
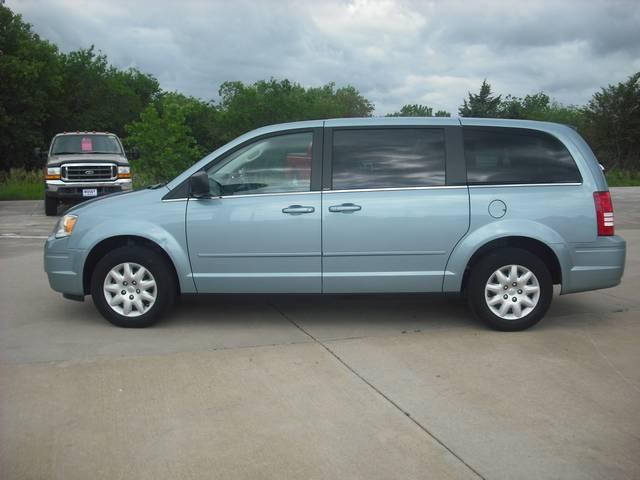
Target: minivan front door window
[(277, 164)]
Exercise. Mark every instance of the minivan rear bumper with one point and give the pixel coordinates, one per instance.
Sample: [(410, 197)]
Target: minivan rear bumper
[(595, 265)]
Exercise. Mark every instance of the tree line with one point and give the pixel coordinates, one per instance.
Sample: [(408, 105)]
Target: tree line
[(44, 91)]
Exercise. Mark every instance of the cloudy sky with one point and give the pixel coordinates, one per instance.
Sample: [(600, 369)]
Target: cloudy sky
[(393, 51)]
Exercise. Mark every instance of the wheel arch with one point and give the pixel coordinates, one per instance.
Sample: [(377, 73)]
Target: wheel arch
[(532, 245), (104, 246)]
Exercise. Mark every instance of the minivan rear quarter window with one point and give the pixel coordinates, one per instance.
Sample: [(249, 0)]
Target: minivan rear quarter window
[(516, 156), (388, 158)]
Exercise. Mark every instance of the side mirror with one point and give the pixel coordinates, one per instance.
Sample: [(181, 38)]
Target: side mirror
[(134, 153), (199, 185)]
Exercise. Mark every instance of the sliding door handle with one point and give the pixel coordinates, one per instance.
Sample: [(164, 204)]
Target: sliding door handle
[(345, 208), (298, 210)]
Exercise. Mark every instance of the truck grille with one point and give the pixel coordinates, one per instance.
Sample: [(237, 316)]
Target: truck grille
[(89, 173)]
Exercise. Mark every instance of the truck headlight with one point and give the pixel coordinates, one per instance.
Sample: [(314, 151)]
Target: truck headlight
[(124, 172), (52, 173), (65, 225)]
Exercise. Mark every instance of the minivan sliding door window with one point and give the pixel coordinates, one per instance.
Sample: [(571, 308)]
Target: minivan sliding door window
[(388, 158)]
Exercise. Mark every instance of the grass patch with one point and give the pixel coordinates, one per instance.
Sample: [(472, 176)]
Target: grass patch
[(20, 184), (623, 178)]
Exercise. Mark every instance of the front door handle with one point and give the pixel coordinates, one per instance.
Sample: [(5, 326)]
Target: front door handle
[(345, 208), (298, 210)]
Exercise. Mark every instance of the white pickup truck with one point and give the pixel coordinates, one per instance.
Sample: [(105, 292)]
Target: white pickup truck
[(82, 165)]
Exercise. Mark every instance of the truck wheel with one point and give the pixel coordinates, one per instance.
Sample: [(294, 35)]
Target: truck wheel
[(510, 289), (133, 287), (50, 206)]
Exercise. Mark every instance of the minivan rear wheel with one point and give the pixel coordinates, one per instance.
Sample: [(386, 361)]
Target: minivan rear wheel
[(510, 289), (133, 287)]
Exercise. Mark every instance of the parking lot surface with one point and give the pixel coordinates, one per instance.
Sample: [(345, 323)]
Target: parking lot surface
[(397, 386)]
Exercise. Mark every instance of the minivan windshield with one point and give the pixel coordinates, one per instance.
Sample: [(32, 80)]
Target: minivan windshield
[(86, 143)]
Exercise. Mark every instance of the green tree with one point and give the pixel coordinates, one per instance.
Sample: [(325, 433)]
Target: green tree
[(166, 143), (539, 106), (413, 110), (243, 107), (347, 102), (30, 79), (43, 92), (98, 96), (527, 107), (567, 114), (612, 124), (202, 118), (417, 110), (482, 104)]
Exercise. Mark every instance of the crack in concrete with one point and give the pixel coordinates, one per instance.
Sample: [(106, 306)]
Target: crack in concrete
[(602, 355), (379, 392)]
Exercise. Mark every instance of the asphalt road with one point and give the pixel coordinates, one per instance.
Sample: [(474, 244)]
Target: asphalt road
[(367, 387)]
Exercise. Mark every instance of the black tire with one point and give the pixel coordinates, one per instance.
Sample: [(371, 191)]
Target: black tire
[(50, 206), (156, 264), (485, 268)]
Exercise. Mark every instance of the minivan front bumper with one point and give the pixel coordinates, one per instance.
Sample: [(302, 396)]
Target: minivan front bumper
[(64, 266), (595, 265)]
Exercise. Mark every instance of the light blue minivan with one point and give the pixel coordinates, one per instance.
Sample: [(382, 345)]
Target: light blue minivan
[(498, 210)]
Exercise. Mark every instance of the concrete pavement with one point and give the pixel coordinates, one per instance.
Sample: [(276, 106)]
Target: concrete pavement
[(399, 386)]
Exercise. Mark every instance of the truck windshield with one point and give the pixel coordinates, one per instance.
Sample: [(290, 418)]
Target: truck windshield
[(86, 143)]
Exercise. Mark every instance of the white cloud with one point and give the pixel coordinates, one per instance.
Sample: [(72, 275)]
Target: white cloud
[(393, 51)]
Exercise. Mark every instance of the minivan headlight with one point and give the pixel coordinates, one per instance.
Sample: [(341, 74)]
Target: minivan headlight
[(65, 225)]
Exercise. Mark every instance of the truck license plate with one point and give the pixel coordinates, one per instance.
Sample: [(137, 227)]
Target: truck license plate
[(89, 192)]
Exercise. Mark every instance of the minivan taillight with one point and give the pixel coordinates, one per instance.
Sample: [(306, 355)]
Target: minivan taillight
[(604, 213)]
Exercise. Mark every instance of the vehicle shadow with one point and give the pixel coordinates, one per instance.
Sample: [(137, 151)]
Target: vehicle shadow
[(333, 311), (349, 316), (337, 316)]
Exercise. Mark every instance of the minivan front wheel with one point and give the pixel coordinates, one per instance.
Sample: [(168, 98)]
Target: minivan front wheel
[(510, 289), (133, 286)]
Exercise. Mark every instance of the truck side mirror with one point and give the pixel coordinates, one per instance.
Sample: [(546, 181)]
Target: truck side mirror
[(134, 153), (37, 154)]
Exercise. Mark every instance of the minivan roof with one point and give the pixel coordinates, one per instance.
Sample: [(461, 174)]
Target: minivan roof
[(387, 121), (409, 121)]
